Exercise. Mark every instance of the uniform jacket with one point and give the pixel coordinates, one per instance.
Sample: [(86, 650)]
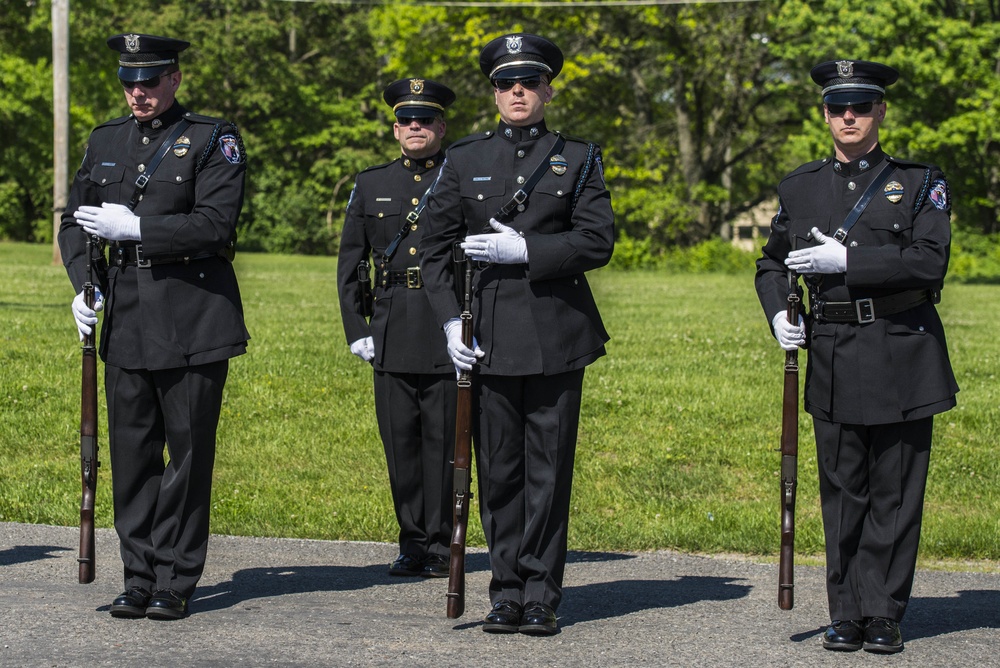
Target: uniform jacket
[(175, 314), (897, 367), (407, 337), (540, 317)]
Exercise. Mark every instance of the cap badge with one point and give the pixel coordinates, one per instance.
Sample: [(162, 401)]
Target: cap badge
[(893, 191), (181, 146), (132, 43), (845, 68), (514, 44), (416, 86), (558, 164)]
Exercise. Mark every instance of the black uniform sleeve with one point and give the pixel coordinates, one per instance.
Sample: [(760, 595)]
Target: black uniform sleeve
[(354, 248), (445, 225)]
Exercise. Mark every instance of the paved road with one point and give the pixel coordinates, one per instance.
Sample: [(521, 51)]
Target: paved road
[(280, 602)]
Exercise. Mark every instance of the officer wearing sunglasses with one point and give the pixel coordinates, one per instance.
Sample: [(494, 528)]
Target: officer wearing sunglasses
[(536, 324), (870, 234), (415, 391), (164, 187)]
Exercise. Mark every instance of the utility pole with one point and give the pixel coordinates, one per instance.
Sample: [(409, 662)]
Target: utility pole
[(60, 117)]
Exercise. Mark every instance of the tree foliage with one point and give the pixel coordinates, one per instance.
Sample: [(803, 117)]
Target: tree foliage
[(699, 108)]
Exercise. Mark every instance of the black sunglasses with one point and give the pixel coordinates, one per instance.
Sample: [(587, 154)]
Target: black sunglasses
[(859, 109), (423, 120), (530, 83), (152, 82)]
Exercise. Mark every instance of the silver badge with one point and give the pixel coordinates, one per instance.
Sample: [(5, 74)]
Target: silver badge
[(514, 44), (845, 68), (132, 43)]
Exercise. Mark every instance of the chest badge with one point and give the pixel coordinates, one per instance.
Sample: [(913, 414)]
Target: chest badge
[(182, 146), (893, 191), (558, 164)]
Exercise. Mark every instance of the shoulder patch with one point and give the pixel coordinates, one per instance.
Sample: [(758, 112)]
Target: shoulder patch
[(231, 149), (939, 195)]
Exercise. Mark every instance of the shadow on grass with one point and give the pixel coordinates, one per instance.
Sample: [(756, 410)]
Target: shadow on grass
[(20, 554)]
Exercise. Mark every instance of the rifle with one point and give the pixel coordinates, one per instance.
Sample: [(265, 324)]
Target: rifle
[(88, 430), (789, 456), (463, 452)]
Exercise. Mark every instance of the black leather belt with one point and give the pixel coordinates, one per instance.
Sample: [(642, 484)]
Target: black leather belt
[(863, 311), (131, 255), (410, 278)]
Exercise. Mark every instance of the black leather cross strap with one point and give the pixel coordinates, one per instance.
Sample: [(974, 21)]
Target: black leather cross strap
[(863, 311), (506, 212), (411, 220), (855, 213), (143, 180)]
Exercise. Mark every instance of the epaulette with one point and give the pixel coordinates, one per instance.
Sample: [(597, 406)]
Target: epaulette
[(114, 121), (572, 138), (471, 138), (807, 168), (382, 166), (209, 120), (909, 163)]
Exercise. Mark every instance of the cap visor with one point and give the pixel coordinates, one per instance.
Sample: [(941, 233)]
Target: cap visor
[(141, 73), (851, 96), (416, 112), (518, 72)]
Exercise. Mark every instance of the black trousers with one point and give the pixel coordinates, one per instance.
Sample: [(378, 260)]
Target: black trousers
[(872, 481), (416, 420), (162, 509), (525, 435)]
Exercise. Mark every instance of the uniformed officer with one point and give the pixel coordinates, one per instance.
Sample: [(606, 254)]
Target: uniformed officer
[(415, 389), (535, 319), (878, 367), (165, 187)]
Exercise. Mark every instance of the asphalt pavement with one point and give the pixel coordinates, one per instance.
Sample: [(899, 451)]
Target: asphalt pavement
[(285, 602)]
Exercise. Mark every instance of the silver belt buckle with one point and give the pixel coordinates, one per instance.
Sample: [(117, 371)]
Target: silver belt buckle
[(865, 309), (413, 279), (141, 261)]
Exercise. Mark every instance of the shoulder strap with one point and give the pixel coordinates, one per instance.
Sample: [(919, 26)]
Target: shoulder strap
[(408, 222), (143, 180), (855, 213), (506, 212)]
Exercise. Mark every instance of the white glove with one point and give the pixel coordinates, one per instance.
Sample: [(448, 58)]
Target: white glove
[(830, 258), (85, 317), (364, 348), (461, 356), (789, 336), (506, 247), (114, 222)]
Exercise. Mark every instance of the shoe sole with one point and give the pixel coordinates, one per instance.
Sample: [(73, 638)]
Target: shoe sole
[(882, 649), (164, 613), (127, 612), (409, 574), (841, 647), (500, 628), (537, 630), (435, 574)]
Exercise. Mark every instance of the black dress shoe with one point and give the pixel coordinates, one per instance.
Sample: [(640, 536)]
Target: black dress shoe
[(505, 617), (167, 604), (843, 635), (882, 636), (435, 566), (407, 564), (538, 620), (131, 604)]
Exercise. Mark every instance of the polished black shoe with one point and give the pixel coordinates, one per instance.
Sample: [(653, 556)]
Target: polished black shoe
[(407, 564), (435, 566), (882, 636), (167, 604), (131, 604), (538, 620), (843, 635), (505, 617)]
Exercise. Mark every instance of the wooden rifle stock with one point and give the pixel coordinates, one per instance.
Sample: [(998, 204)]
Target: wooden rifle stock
[(463, 453), (88, 432), (789, 457)]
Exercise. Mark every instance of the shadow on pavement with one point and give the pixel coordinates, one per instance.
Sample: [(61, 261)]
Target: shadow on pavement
[(20, 554)]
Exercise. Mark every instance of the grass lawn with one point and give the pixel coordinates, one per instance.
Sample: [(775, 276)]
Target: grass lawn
[(678, 436)]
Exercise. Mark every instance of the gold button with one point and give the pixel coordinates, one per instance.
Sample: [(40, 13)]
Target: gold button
[(416, 177), (380, 214), (413, 227), (413, 251), (415, 201)]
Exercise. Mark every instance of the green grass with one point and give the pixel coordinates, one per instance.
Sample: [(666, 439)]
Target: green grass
[(678, 433)]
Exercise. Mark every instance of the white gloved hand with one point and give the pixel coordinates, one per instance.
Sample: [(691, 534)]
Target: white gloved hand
[(85, 317), (461, 356), (829, 258), (505, 247), (789, 336), (114, 222), (364, 348)]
